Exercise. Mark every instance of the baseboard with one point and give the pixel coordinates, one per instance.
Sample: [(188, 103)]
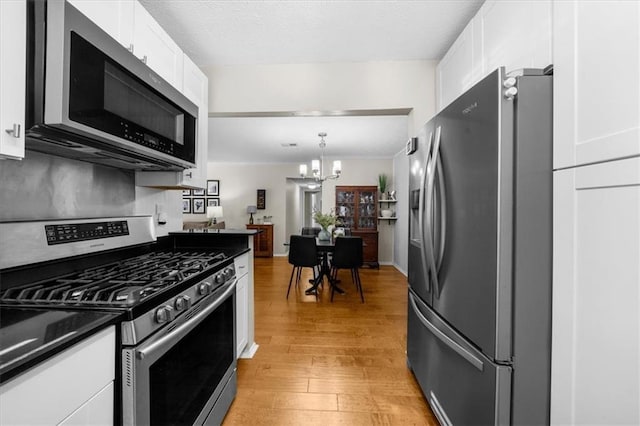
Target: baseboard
[(249, 351)]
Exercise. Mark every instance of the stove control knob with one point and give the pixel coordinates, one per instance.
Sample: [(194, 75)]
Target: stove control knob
[(204, 288), (219, 279), (164, 314), (228, 273), (182, 302)]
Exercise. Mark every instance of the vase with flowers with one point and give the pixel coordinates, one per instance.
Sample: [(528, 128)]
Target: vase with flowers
[(325, 220)]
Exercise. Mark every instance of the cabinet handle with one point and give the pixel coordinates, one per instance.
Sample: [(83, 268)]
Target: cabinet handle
[(130, 48), (15, 131), (189, 175), (144, 59)]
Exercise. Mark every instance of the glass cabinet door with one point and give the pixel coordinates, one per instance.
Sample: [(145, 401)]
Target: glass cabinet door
[(357, 207), (346, 207), (367, 214)]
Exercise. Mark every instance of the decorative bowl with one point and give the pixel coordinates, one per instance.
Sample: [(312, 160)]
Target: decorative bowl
[(385, 213)]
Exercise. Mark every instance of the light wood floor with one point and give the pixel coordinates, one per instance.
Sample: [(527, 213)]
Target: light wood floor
[(323, 363)]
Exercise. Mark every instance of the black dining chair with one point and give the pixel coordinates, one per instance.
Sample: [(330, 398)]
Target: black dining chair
[(302, 254), (347, 255), (307, 230)]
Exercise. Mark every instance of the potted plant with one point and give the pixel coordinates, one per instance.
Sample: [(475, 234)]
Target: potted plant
[(382, 184), (325, 220)]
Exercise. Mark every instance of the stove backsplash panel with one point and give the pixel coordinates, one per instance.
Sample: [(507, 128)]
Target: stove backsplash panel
[(48, 187)]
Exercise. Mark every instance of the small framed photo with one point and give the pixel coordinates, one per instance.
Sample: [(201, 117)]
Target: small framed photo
[(261, 202), (199, 206), (213, 202), (198, 192), (186, 205), (213, 188), (186, 193)]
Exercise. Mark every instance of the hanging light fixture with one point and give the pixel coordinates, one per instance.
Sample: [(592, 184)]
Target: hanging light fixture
[(316, 165)]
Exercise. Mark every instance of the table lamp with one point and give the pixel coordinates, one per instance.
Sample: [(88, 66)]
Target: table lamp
[(251, 210), (213, 213)]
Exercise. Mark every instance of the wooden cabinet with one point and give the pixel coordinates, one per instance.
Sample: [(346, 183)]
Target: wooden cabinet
[(13, 24), (596, 298), (596, 55), (262, 241), (357, 209), (67, 388), (511, 34)]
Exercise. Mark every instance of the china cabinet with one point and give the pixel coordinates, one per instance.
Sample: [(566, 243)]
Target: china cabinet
[(357, 209)]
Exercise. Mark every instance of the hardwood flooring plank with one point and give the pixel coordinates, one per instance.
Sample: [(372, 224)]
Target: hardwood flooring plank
[(323, 363)]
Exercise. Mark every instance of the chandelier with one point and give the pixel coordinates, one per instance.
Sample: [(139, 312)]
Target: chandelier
[(316, 165)]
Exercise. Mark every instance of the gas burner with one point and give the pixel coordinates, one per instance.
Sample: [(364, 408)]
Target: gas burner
[(123, 283)]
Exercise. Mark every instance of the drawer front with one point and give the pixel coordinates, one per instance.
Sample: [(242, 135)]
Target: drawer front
[(242, 264), (461, 385)]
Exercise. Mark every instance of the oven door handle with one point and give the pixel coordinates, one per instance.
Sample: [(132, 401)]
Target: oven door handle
[(185, 328)]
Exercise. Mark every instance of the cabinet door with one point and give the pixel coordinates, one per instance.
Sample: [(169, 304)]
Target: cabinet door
[(13, 24), (195, 88), (455, 72), (97, 411), (596, 57), (596, 296), (242, 313), (154, 47), (115, 17), (60, 385)]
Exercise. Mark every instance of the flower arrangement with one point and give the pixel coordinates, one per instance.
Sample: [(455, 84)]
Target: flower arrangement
[(325, 219)]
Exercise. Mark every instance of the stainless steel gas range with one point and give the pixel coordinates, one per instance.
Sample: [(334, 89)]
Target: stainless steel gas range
[(177, 305)]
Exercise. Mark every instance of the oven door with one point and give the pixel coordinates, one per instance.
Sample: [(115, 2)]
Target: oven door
[(178, 375)]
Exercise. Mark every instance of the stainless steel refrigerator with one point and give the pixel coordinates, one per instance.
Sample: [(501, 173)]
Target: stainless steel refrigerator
[(480, 253)]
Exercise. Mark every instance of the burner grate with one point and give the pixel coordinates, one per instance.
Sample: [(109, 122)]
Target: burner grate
[(123, 283)]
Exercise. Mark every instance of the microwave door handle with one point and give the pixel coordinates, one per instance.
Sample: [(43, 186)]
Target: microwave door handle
[(430, 211), (421, 212), (184, 329)]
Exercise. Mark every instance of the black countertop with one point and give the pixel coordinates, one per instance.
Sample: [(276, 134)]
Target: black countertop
[(29, 336)]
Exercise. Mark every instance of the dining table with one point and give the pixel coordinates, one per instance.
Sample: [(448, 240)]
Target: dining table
[(324, 247)]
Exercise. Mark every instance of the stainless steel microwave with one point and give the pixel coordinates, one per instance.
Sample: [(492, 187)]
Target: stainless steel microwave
[(90, 99)]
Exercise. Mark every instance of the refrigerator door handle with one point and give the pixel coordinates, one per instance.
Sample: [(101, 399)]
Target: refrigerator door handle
[(471, 358), (443, 212), (429, 213), (421, 214)]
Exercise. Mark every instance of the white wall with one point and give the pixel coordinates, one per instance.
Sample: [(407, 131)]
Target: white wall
[(401, 240), (239, 182), (325, 87)]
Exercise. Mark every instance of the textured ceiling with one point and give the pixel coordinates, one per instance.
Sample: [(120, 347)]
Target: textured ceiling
[(229, 32), (222, 32)]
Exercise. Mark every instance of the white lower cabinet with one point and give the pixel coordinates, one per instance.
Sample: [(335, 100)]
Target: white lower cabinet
[(242, 303), (73, 387), (596, 295)]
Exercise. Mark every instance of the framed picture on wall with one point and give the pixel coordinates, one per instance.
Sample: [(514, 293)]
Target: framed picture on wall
[(213, 202), (213, 188), (198, 192), (261, 202), (199, 206), (186, 205), (186, 192)]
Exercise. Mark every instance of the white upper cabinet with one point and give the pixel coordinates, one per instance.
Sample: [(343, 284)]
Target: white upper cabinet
[(596, 85), (13, 24), (513, 34), (115, 17), (131, 25), (154, 47), (196, 89)]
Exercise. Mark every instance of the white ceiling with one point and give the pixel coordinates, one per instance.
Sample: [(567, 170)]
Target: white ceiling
[(227, 32)]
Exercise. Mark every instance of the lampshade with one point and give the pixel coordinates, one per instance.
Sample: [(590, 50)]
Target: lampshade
[(252, 209), (316, 165), (214, 211)]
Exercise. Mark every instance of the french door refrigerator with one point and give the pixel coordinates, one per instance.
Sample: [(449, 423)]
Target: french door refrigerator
[(480, 253)]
